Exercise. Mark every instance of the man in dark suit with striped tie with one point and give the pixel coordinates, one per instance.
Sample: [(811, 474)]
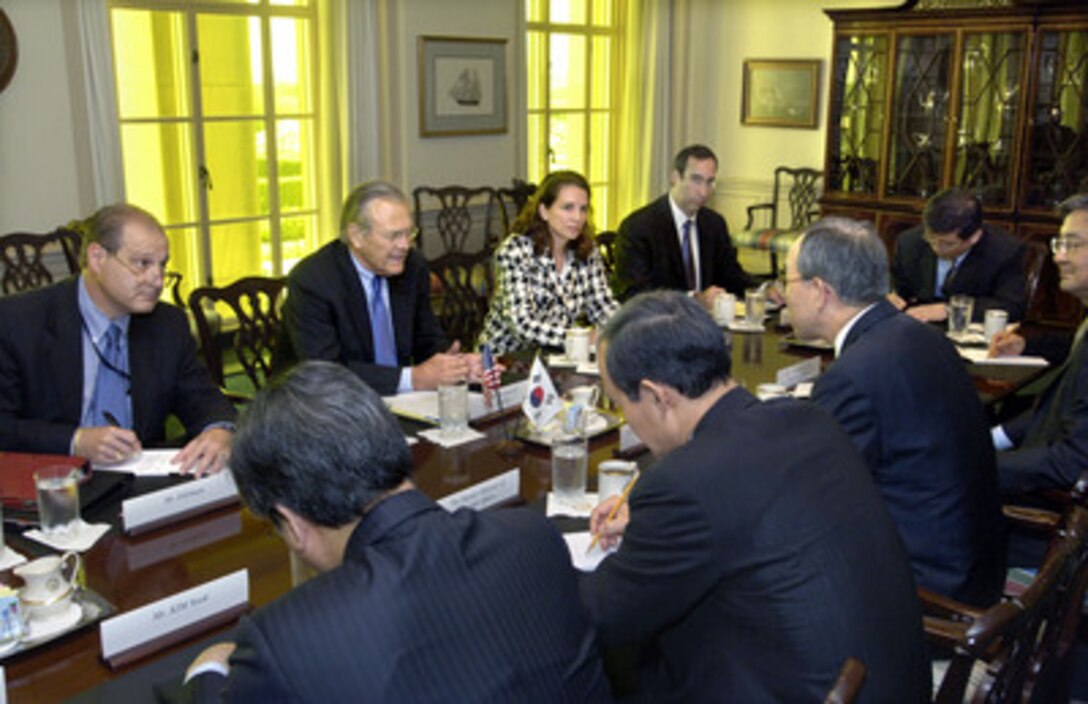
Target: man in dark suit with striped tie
[(1047, 448), (955, 253), (678, 243), (364, 301), (93, 365), (413, 603)]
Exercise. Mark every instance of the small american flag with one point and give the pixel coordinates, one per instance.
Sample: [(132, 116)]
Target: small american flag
[(492, 376)]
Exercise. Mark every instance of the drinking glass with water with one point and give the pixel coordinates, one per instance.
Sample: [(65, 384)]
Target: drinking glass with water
[(58, 499)]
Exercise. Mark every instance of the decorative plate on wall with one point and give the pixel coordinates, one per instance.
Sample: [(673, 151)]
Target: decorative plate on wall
[(9, 51)]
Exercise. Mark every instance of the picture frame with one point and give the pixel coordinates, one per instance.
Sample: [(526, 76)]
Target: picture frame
[(781, 93), (462, 86)]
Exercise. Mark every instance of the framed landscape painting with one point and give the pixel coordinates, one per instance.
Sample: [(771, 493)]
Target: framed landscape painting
[(781, 92)]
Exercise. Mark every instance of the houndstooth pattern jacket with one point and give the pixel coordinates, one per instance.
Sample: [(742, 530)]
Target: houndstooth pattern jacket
[(534, 303)]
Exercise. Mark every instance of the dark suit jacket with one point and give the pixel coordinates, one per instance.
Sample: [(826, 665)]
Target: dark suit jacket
[(427, 606), (759, 556), (326, 317), (901, 391), (1051, 439), (41, 372), (648, 253), (992, 272)]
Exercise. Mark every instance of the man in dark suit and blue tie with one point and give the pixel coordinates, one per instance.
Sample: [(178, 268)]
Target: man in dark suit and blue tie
[(757, 554), (364, 301), (955, 253), (678, 243), (900, 389), (412, 603), (94, 365), (1047, 448)]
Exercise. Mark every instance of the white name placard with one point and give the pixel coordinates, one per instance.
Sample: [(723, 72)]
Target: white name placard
[(177, 502), (486, 494), (796, 373), (158, 620), (503, 398)]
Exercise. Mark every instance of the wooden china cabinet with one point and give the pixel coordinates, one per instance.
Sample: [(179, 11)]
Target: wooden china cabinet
[(990, 95)]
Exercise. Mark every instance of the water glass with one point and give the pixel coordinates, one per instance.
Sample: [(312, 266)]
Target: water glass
[(58, 499), (755, 307), (960, 309), (570, 459), (452, 409)]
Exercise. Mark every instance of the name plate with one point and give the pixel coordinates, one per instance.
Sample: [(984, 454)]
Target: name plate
[(158, 625), (796, 373), (176, 503), (492, 492)]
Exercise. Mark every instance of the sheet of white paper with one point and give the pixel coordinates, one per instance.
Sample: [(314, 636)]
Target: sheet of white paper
[(149, 463), (577, 543), (978, 355)]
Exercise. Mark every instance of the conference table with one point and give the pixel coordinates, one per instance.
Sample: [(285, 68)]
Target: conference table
[(133, 571)]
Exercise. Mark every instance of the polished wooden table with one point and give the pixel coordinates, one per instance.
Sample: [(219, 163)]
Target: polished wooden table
[(131, 572)]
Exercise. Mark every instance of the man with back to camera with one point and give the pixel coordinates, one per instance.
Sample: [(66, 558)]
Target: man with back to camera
[(105, 362), (900, 390), (412, 602), (1047, 448), (678, 243), (738, 571), (955, 253), (364, 301)]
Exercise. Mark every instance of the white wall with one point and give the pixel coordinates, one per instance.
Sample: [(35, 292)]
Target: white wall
[(40, 171), (475, 160)]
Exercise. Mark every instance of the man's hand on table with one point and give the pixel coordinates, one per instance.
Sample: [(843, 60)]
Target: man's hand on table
[(215, 658), (106, 445), (207, 453), (610, 532)]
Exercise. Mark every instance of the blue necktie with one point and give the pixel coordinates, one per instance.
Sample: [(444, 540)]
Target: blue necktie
[(381, 328), (685, 246), (112, 383)]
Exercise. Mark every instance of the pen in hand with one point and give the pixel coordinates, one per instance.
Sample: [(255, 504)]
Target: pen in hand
[(111, 419), (615, 510)]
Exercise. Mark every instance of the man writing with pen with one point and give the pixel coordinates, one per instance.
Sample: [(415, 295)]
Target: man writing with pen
[(737, 576), (93, 365), (363, 301)]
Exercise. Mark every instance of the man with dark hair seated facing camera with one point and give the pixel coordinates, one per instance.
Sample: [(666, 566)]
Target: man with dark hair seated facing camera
[(757, 554), (412, 602)]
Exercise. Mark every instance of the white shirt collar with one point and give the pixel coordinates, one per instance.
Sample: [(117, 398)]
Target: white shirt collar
[(840, 338), (679, 216)]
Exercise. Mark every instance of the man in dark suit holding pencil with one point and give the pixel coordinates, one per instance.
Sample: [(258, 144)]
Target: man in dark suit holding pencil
[(738, 571)]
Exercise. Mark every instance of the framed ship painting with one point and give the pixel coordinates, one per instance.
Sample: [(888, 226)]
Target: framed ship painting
[(462, 86)]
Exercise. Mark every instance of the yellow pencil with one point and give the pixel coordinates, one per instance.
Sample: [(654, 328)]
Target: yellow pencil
[(614, 511)]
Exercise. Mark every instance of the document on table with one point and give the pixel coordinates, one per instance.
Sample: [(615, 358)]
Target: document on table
[(423, 405), (577, 543), (979, 355), (148, 463)]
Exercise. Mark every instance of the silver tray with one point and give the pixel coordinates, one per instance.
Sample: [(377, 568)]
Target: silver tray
[(94, 608), (600, 423)]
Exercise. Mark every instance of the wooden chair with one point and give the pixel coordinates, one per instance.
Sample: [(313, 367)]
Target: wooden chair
[(1020, 649), (846, 687), (606, 245), (26, 259), (255, 303), (514, 198), (1036, 256), (461, 288), (458, 219), (773, 226)]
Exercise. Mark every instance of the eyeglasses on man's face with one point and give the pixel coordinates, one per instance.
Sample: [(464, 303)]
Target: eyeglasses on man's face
[(1065, 245), (408, 236), (141, 267)]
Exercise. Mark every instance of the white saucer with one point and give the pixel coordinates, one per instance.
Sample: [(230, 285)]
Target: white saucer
[(42, 629), (561, 361), (745, 326)]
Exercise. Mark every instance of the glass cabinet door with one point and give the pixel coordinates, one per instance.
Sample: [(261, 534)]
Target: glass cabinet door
[(991, 81), (1057, 163), (920, 109), (858, 114)]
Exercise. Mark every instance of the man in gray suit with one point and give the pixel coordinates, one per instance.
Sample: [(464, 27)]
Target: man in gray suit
[(1047, 448)]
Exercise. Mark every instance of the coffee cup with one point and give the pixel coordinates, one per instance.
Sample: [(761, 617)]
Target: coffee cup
[(994, 322), (577, 345), (585, 396), (50, 583), (725, 308), (613, 477)]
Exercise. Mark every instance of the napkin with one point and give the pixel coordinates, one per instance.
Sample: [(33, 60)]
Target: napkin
[(9, 558), (79, 540), (435, 435), (579, 508)]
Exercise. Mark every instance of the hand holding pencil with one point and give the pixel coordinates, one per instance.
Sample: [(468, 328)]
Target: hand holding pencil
[(609, 519), (1007, 342)]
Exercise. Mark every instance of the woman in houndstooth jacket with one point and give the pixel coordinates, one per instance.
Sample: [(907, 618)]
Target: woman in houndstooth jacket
[(548, 272)]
